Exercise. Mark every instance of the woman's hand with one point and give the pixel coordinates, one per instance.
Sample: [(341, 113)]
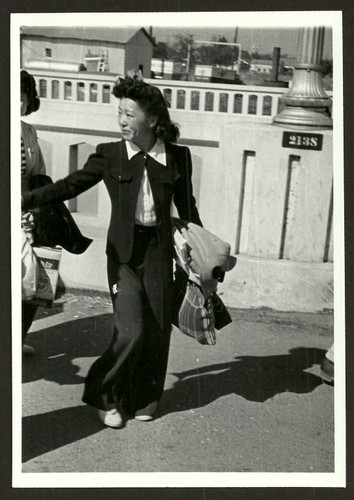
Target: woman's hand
[(28, 225)]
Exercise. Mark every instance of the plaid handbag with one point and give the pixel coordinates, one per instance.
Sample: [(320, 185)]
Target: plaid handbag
[(196, 315)]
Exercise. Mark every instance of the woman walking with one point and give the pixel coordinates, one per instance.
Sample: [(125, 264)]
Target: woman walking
[(143, 174)]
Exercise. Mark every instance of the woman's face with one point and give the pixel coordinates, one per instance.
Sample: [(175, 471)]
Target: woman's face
[(24, 103), (135, 124)]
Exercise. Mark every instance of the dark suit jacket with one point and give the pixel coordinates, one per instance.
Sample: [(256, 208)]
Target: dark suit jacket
[(110, 163)]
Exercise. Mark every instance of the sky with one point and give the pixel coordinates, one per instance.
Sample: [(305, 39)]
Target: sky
[(262, 40)]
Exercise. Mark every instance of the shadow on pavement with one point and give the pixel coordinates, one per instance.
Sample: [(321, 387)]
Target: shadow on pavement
[(44, 312), (58, 345), (254, 378), (48, 431)]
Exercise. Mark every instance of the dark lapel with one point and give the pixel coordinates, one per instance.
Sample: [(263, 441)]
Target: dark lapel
[(120, 168), (127, 173), (164, 173)]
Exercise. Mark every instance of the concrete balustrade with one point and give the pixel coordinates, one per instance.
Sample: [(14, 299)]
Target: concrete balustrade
[(169, 88)]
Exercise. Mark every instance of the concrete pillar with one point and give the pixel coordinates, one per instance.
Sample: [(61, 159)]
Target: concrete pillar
[(306, 103)]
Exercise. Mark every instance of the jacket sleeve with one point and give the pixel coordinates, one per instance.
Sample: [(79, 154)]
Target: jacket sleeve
[(69, 187), (183, 198)]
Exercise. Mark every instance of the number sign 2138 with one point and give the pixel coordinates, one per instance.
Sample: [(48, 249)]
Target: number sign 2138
[(302, 140)]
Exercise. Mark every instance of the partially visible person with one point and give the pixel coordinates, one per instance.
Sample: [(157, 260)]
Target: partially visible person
[(32, 163), (327, 366)]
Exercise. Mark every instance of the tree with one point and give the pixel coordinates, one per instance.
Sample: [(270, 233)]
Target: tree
[(160, 51), (246, 55), (203, 54), (224, 55), (208, 54), (327, 65), (180, 47), (165, 51), (216, 55), (265, 57)]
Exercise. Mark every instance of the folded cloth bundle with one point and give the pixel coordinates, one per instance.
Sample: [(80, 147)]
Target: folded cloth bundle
[(204, 254), (201, 262)]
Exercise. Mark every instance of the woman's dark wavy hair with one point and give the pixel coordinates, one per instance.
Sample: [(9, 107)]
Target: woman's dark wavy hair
[(28, 87), (151, 100)]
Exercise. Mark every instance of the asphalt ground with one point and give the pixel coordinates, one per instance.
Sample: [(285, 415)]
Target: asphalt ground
[(254, 402)]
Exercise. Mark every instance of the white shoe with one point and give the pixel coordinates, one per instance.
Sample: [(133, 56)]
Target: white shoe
[(112, 418), (27, 350), (144, 418)]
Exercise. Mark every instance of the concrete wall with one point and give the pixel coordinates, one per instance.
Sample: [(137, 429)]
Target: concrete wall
[(271, 203)]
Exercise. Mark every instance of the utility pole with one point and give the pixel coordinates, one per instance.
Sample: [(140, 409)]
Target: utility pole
[(237, 52), (236, 33), (189, 49), (151, 34)]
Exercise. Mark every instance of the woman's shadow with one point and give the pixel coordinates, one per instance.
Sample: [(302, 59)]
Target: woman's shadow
[(254, 378), (57, 347)]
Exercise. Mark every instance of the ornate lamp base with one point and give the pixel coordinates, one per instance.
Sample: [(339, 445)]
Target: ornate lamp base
[(306, 104), (304, 118)]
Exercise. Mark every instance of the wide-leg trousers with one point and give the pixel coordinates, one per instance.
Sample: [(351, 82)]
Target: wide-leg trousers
[(130, 374)]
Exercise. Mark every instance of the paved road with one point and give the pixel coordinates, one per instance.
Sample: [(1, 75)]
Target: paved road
[(252, 403)]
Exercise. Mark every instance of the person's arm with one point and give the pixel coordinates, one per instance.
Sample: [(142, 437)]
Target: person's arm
[(39, 166), (184, 200), (69, 187)]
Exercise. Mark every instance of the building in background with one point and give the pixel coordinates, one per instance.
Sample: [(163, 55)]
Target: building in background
[(261, 65), (213, 74), (170, 70), (265, 65), (103, 49)]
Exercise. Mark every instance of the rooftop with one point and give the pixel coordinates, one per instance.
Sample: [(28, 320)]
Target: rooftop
[(102, 34)]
